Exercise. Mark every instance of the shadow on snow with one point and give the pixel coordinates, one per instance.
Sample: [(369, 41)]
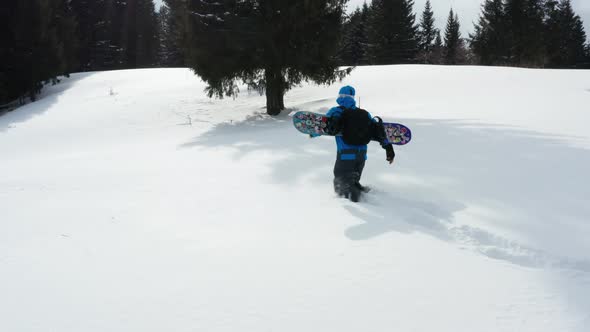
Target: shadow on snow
[(49, 96), (521, 182)]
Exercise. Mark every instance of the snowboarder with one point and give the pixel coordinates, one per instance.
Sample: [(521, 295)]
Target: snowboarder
[(358, 128)]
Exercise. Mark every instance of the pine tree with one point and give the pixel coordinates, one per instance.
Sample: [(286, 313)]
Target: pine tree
[(101, 32), (172, 39), (515, 22), (355, 40), (427, 33), (552, 33), (488, 42), (165, 46), (524, 20), (270, 45), (33, 49), (142, 36), (65, 23), (393, 34), (437, 50), (453, 43), (565, 35), (574, 36), (534, 40), (116, 38)]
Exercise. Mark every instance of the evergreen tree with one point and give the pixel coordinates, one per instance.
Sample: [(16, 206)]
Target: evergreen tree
[(65, 23), (116, 34), (393, 34), (453, 43), (116, 39), (427, 33), (488, 42), (6, 40), (524, 21), (534, 40), (142, 34), (271, 45), (574, 36), (165, 45), (172, 38), (355, 40), (437, 50), (33, 49), (552, 33), (11, 86), (101, 32), (566, 37)]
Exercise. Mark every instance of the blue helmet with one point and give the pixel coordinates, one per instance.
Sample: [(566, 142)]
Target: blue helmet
[(346, 97), (347, 91)]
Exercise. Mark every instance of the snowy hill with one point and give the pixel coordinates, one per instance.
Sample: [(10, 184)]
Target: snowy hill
[(131, 202)]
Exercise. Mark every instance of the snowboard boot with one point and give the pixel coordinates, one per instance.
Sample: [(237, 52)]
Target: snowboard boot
[(362, 188), (354, 195)]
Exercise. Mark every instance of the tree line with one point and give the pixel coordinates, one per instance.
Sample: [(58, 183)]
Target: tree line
[(272, 45), (531, 33), (43, 39), (527, 33)]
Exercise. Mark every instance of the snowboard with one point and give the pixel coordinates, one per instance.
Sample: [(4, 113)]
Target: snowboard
[(316, 124)]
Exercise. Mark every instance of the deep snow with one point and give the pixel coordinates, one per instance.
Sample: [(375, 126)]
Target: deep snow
[(131, 202)]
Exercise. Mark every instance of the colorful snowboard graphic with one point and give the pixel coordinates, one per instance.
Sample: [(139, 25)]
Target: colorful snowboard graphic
[(317, 124)]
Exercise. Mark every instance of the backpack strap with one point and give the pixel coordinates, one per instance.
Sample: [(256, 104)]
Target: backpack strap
[(379, 131)]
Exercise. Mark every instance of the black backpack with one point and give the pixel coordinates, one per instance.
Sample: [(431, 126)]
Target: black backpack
[(357, 126)]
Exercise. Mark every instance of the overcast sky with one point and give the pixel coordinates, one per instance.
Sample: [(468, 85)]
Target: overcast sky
[(468, 11)]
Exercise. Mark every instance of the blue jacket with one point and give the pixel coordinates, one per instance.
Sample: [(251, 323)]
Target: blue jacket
[(346, 151)]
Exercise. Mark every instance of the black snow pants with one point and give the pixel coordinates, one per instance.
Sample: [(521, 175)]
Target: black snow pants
[(348, 171)]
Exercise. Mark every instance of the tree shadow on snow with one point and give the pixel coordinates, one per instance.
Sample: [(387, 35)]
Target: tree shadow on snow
[(49, 96), (301, 156), (522, 182), (530, 186)]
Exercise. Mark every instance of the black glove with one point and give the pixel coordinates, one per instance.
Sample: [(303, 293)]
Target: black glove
[(389, 152)]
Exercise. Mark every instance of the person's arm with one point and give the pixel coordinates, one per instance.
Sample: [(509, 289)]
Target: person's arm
[(334, 112), (334, 125), (389, 153), (333, 117), (381, 137)]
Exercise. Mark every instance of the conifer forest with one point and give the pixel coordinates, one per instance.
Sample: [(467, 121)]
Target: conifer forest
[(272, 45)]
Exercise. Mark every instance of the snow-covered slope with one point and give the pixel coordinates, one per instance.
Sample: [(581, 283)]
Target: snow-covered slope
[(129, 201)]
